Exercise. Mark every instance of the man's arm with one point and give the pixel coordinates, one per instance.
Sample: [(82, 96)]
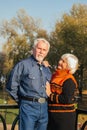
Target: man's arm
[(13, 82)]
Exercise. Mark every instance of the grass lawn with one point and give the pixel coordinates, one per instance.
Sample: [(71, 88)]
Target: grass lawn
[(8, 114)]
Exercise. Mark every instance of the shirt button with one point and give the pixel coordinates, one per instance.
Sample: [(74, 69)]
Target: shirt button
[(33, 78)]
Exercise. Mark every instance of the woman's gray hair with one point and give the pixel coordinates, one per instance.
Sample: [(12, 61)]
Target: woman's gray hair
[(41, 39), (72, 62)]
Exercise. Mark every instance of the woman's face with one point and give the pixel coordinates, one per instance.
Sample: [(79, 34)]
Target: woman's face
[(62, 64)]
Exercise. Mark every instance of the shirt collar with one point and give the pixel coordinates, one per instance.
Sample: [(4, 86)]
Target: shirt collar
[(34, 61)]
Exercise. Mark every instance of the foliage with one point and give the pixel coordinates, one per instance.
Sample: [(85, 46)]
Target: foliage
[(19, 33), (2, 61), (70, 36)]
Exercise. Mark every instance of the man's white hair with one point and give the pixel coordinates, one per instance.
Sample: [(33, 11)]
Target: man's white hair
[(41, 39), (72, 62)]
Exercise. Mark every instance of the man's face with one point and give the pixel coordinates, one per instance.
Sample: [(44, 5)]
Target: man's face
[(40, 51)]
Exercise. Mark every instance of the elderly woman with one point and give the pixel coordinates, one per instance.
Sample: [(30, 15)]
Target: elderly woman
[(61, 94)]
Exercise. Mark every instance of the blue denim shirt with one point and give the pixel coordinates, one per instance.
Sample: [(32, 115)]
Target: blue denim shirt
[(28, 78)]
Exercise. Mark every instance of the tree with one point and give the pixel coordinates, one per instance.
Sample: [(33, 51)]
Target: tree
[(2, 60), (19, 33), (70, 36)]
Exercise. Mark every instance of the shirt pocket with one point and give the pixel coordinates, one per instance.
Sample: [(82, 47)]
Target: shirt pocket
[(31, 76), (33, 79), (27, 79)]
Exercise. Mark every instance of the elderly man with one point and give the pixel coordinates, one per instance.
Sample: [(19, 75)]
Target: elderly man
[(27, 86)]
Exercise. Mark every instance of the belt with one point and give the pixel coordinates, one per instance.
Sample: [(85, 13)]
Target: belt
[(40, 100)]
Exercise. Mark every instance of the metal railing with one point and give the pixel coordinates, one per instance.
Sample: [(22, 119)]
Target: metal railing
[(3, 120), (7, 106)]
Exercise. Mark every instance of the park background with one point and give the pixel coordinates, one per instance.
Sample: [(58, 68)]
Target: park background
[(62, 23)]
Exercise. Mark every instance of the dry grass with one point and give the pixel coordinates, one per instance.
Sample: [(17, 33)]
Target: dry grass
[(8, 127), (82, 117), (84, 92)]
